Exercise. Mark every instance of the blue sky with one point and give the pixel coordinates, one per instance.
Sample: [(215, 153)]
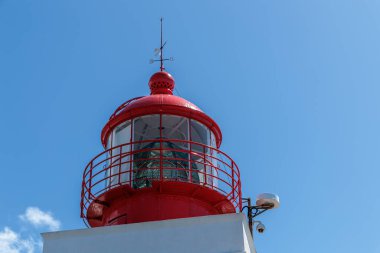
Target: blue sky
[(294, 86)]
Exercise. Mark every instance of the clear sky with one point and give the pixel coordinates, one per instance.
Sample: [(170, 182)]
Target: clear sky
[(293, 84)]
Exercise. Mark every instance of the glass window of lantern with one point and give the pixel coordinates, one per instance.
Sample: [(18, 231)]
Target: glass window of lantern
[(146, 128), (122, 134), (200, 134), (214, 161), (200, 157), (213, 140), (174, 129), (146, 163), (119, 155)]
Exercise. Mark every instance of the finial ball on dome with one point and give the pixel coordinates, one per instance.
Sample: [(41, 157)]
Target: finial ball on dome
[(161, 83)]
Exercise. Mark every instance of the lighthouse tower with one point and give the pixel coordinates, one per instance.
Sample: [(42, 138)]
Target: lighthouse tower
[(161, 184)]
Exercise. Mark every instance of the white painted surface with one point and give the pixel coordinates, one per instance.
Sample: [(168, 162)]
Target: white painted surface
[(226, 233)]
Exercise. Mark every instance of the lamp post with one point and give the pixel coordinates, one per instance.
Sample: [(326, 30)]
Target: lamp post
[(264, 202)]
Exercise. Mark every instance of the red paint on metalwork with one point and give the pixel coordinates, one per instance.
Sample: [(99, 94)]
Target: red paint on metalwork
[(162, 201), (109, 196), (161, 83), (112, 193), (159, 104)]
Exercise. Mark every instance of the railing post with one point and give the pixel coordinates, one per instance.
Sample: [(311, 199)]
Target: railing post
[(204, 166), (233, 180), (119, 176), (130, 165), (90, 181), (161, 163), (82, 198), (190, 163)]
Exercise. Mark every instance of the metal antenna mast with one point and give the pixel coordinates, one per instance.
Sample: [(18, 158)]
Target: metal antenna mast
[(160, 51)]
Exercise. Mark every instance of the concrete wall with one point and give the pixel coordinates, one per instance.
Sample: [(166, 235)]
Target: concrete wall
[(226, 233)]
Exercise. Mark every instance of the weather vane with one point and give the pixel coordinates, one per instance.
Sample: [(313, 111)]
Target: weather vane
[(160, 52)]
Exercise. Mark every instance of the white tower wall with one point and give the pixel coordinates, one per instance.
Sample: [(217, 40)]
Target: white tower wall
[(227, 233)]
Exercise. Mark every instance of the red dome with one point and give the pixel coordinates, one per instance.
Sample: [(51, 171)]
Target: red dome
[(159, 104), (161, 101), (161, 83)]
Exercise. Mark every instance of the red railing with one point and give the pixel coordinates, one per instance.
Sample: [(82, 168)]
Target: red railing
[(122, 106), (137, 164)]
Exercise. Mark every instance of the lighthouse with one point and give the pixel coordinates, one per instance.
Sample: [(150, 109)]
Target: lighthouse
[(162, 184), (161, 161)]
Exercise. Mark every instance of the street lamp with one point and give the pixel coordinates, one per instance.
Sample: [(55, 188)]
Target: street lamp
[(264, 202)]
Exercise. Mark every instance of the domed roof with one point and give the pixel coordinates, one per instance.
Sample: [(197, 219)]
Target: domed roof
[(161, 83), (161, 101)]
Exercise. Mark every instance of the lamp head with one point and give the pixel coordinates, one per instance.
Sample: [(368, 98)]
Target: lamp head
[(268, 200)]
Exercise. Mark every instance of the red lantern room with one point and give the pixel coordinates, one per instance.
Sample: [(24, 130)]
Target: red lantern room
[(161, 161)]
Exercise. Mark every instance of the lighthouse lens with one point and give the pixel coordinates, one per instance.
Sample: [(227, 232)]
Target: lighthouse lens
[(174, 164), (161, 147), (163, 150)]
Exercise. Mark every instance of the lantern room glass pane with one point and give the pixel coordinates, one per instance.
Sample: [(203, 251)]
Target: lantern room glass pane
[(119, 155), (122, 134), (200, 153), (199, 132), (146, 162), (154, 154), (214, 161), (176, 163), (146, 128), (179, 161), (175, 127)]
